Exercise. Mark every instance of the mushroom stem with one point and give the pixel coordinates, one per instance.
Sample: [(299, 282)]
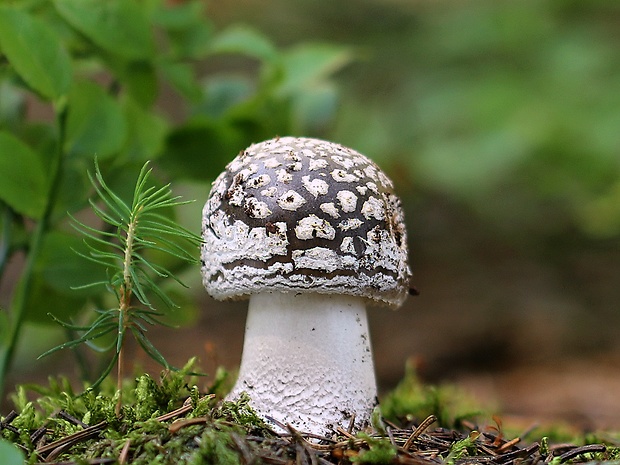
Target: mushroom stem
[(307, 360)]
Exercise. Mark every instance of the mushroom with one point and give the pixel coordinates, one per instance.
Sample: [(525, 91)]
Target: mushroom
[(311, 232)]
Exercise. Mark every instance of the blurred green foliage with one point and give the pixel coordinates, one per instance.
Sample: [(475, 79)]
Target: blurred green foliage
[(509, 109), (412, 401), (127, 81), (10, 453)]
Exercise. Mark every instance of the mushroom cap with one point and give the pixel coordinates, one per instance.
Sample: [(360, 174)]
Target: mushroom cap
[(304, 215)]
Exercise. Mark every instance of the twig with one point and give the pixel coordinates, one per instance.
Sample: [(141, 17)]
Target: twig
[(122, 458), (55, 448), (345, 433), (177, 425), (507, 445), (71, 419), (38, 434), (419, 430), (89, 462), (5, 424), (351, 424), (186, 408), (582, 450), (243, 448)]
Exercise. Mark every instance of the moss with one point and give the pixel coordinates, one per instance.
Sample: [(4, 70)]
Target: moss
[(412, 401), (214, 447), (463, 448), (379, 451), (171, 421)]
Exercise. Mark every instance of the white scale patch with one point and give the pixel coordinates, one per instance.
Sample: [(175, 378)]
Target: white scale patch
[(387, 182), (343, 176), (315, 186), (330, 209), (351, 223), (284, 176), (381, 251), (236, 196), (344, 162), (238, 241), (347, 246), (271, 163), (256, 208), (373, 208), (289, 153), (256, 182), (372, 186), (249, 171), (317, 258), (236, 165), (269, 192), (291, 201), (370, 172), (317, 164), (313, 226), (348, 201)]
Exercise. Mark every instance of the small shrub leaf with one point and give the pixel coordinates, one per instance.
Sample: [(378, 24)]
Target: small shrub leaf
[(10, 454), (96, 124), (35, 52), (244, 41), (26, 187), (117, 26)]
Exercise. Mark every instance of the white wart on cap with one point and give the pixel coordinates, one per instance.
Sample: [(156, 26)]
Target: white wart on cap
[(304, 215)]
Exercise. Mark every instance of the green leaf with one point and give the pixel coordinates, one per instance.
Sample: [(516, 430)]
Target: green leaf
[(44, 300), (309, 65), (63, 269), (147, 133), (120, 27), (223, 93), (183, 78), (36, 53), (180, 16), (74, 189), (10, 454), (192, 43), (200, 149), (141, 81), (12, 104), (244, 41), (96, 124), (24, 185), (314, 110), (189, 34)]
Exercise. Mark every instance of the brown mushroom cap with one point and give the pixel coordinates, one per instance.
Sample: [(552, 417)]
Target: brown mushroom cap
[(304, 215)]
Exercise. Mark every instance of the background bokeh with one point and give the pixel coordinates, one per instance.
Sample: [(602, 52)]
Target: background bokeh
[(499, 122)]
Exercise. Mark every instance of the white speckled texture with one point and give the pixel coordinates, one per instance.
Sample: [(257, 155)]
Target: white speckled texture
[(307, 361), (304, 215)]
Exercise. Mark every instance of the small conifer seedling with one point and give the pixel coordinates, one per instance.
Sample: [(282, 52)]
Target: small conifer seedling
[(121, 245)]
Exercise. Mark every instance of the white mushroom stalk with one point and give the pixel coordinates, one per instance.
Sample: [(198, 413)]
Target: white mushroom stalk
[(310, 231), (307, 360)]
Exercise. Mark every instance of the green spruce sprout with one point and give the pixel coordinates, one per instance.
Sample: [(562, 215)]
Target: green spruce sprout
[(122, 244)]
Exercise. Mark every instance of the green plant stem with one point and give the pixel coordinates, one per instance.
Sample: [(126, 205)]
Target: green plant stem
[(5, 238), (124, 309), (20, 298)]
